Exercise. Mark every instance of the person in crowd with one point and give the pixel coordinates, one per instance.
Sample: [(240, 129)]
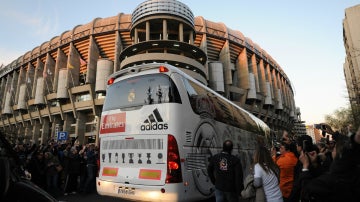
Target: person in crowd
[(66, 152), (286, 162), (61, 150), (90, 156), (37, 169), (342, 182), (322, 147), (225, 172), (22, 153), (53, 148), (350, 130), (51, 173), (304, 143), (266, 174), (330, 145), (72, 171), (83, 173), (324, 156), (288, 139)]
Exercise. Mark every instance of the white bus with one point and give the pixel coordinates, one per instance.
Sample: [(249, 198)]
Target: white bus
[(159, 126)]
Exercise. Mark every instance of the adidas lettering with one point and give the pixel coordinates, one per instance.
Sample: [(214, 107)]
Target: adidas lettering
[(154, 126)]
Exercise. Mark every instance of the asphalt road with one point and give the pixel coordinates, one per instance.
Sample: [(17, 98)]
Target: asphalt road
[(88, 198), (94, 197)]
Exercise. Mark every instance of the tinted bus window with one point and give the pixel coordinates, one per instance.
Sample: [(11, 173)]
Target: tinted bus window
[(205, 103), (141, 90)]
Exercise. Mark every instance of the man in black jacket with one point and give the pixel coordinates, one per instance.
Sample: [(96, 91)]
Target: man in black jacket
[(225, 172)]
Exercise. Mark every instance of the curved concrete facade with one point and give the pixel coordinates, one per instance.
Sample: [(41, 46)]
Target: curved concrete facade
[(67, 67)]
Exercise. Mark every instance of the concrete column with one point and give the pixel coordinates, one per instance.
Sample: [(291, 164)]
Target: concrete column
[(30, 80), (55, 126), (21, 80), (262, 80), (61, 61), (45, 131), (268, 73), (21, 131), (28, 133), (94, 54), (280, 91), (36, 131), (136, 36), (48, 74), (38, 73), (255, 71), (68, 120), (165, 37), (274, 83), (285, 93), (2, 92), (73, 66), (147, 31), (243, 71), (270, 80), (203, 44), (8, 101), (279, 80), (191, 37), (224, 57), (181, 32), (118, 49), (80, 127)]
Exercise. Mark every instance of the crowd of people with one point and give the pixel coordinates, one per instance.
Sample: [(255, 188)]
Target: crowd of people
[(298, 171), (60, 169)]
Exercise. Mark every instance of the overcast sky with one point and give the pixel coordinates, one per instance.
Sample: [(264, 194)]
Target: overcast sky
[(303, 37)]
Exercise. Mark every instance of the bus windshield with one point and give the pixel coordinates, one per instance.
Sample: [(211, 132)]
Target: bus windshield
[(141, 90)]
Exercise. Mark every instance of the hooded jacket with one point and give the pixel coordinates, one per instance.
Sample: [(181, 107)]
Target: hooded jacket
[(225, 172)]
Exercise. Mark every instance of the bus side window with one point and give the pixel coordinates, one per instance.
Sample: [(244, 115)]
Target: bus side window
[(174, 95), (200, 100), (191, 93)]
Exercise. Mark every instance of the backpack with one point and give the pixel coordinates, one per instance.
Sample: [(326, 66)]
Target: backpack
[(249, 190)]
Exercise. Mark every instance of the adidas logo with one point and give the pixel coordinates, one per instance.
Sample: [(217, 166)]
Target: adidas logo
[(154, 122)]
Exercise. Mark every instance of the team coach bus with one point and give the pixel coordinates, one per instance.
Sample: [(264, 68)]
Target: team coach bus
[(159, 127)]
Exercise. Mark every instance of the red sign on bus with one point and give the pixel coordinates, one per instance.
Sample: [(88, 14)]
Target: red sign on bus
[(113, 123)]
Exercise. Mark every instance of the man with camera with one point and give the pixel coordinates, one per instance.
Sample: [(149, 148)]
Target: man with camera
[(304, 147)]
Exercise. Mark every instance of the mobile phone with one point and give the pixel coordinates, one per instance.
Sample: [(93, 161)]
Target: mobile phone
[(304, 147)]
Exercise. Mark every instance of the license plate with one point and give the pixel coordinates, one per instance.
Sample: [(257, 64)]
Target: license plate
[(126, 190)]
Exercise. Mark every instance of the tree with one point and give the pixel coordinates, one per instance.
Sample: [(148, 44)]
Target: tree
[(341, 119)]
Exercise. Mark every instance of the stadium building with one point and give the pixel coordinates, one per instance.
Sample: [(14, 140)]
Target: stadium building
[(60, 85)]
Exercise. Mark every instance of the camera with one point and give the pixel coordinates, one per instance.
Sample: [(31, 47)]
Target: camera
[(321, 127)]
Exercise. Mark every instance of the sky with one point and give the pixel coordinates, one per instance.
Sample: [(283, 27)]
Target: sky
[(303, 37)]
